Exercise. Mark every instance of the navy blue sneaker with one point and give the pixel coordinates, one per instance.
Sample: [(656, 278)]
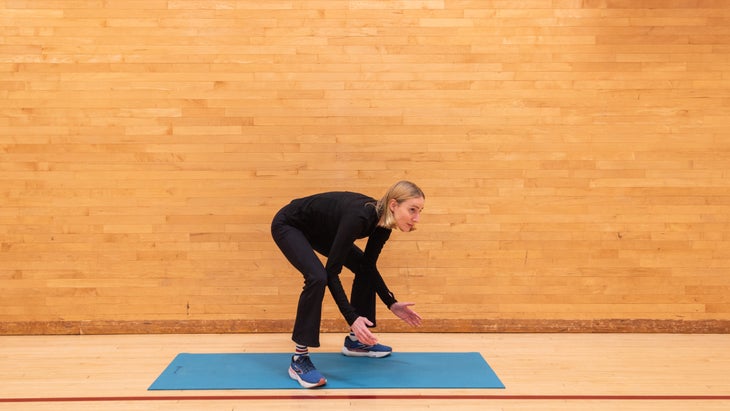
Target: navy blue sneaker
[(358, 349), (304, 372)]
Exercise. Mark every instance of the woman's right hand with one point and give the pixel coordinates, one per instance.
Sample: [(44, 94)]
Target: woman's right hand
[(363, 334)]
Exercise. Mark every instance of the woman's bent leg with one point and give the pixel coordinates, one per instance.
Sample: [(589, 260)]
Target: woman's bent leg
[(295, 246)]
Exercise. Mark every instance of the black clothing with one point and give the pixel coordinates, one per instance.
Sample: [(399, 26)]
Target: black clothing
[(329, 223)]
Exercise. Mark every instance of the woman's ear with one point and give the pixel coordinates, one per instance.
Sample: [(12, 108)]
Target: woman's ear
[(392, 204)]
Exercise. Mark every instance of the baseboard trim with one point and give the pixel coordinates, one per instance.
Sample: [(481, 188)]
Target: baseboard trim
[(99, 327)]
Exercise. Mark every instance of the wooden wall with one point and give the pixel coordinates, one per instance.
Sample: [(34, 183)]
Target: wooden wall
[(575, 155)]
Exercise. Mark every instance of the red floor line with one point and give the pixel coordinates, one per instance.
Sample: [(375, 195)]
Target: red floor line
[(375, 397)]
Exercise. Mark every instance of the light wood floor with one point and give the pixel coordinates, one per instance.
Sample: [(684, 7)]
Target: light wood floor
[(541, 372)]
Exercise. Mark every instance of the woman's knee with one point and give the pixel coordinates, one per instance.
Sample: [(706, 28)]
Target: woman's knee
[(315, 279)]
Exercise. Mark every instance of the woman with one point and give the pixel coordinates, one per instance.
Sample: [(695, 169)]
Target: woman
[(329, 223)]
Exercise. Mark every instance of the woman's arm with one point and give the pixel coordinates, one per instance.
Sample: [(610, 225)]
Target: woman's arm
[(345, 237), (374, 246)]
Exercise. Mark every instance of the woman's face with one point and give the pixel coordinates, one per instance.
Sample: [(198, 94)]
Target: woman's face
[(406, 213)]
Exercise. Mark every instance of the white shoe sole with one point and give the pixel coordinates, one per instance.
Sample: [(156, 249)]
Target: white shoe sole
[(294, 376), (371, 354)]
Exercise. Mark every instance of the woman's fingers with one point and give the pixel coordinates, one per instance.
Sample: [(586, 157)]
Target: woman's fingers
[(363, 334)]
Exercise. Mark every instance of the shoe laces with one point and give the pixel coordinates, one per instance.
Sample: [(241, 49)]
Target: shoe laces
[(365, 346), (304, 363)]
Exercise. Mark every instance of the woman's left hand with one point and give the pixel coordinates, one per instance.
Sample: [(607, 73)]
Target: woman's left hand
[(404, 312)]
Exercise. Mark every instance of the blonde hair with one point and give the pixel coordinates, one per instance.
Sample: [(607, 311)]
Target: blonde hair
[(400, 192)]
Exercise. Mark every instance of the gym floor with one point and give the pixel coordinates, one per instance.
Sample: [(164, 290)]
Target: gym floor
[(540, 371)]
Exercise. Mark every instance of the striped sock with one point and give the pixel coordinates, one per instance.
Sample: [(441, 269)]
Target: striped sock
[(352, 336), (300, 351)]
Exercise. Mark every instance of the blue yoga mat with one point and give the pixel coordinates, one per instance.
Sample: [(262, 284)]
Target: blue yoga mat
[(267, 371)]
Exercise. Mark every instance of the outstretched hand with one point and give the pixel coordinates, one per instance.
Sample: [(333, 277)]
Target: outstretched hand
[(404, 312), (363, 334)]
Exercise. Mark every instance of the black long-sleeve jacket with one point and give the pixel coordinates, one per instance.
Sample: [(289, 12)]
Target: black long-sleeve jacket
[(332, 222)]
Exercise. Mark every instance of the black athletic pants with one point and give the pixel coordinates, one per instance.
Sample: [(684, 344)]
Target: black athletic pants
[(301, 254)]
